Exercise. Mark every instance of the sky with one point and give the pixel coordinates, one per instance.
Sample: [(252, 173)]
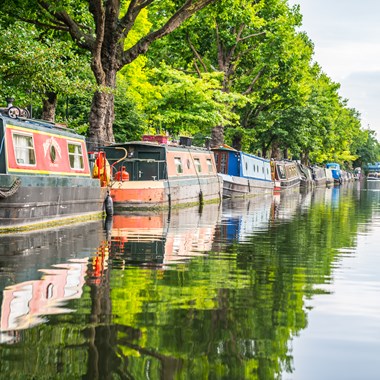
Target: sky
[(346, 37)]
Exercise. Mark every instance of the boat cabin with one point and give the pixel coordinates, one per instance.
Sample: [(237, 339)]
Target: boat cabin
[(45, 175), (149, 174)]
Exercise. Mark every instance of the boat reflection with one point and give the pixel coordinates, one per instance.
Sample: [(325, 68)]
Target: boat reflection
[(159, 239), (244, 217), (373, 185), (29, 293)]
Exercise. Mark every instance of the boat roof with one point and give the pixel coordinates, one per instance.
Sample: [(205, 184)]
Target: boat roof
[(36, 124), (167, 146), (228, 148)]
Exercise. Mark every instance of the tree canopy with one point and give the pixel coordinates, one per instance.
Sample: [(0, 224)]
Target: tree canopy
[(238, 71)]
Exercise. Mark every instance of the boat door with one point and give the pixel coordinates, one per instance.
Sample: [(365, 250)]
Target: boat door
[(221, 161), (149, 166)]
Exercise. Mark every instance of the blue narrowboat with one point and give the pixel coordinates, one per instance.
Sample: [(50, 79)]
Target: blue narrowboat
[(243, 174), (335, 168)]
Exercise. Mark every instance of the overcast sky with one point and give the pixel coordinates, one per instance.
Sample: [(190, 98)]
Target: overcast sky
[(346, 37)]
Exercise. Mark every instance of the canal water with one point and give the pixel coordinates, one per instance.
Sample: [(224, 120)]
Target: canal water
[(280, 287)]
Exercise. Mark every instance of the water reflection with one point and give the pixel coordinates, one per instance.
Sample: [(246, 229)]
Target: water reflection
[(40, 273), (158, 239), (219, 294)]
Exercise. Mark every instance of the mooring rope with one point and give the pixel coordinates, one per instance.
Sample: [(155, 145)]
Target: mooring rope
[(6, 193)]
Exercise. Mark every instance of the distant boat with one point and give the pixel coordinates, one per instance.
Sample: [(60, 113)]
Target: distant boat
[(157, 174), (285, 175), (319, 175), (336, 172), (243, 174), (306, 176), (45, 176), (373, 176)]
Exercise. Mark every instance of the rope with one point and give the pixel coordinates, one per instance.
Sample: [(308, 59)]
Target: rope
[(6, 193), (2, 144)]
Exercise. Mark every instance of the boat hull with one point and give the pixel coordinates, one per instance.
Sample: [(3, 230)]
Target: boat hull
[(162, 194), (235, 187), (40, 201)]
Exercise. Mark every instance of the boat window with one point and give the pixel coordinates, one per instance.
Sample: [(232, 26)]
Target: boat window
[(209, 166), (223, 163), (198, 164), (188, 163), (281, 172), (75, 156), (53, 153), (178, 164), (24, 149)]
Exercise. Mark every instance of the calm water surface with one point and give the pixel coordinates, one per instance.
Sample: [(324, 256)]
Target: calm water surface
[(282, 287)]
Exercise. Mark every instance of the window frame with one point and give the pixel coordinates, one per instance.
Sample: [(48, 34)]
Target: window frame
[(198, 164), (29, 149), (178, 165), (78, 144)]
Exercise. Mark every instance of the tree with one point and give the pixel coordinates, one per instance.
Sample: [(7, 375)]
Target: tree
[(34, 66), (253, 44), (103, 29)]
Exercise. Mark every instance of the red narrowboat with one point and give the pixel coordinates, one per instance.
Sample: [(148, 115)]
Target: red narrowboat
[(45, 176), (149, 174)]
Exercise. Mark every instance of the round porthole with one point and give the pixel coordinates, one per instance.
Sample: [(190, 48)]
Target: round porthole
[(53, 153)]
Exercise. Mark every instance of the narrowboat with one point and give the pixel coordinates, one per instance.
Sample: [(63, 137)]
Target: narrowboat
[(243, 174), (45, 176), (373, 176), (285, 175), (319, 176), (159, 174), (306, 177), (336, 172)]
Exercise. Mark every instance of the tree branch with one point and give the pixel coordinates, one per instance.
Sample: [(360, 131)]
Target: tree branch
[(220, 48), (127, 21), (255, 79), (197, 55), (185, 12), (251, 35), (83, 40)]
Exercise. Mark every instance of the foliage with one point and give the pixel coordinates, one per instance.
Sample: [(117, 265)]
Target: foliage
[(33, 64), (238, 65)]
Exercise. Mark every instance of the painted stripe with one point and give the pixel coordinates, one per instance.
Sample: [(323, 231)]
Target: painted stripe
[(36, 131), (47, 172)]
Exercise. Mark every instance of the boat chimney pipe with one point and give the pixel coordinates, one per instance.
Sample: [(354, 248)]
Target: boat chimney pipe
[(9, 102)]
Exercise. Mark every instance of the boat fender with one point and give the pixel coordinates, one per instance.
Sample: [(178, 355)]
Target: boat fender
[(108, 205), (102, 169)]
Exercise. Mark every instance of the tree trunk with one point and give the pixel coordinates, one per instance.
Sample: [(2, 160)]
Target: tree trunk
[(305, 158), (217, 136), (236, 141), (264, 150), (49, 105), (101, 120), (276, 152)]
